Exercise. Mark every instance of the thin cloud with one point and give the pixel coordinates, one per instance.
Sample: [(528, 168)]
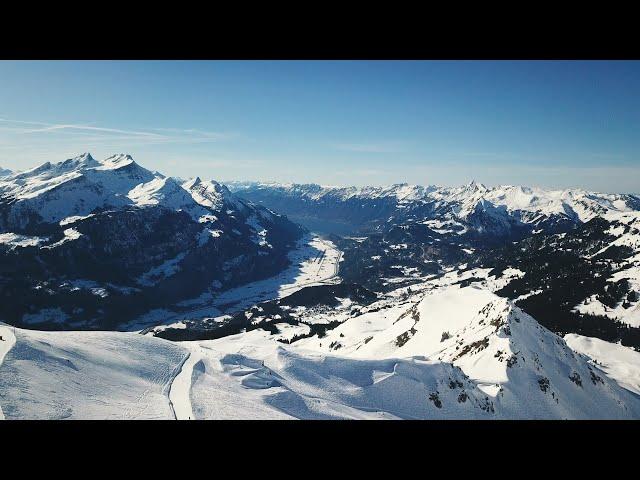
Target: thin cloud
[(201, 133), (368, 147), (89, 128), (106, 136)]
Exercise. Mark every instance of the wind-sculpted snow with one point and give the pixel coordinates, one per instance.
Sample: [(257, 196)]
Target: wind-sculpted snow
[(445, 352), (270, 381), (87, 375), (524, 370)]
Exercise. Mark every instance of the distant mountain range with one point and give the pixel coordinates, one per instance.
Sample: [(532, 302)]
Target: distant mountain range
[(472, 210)]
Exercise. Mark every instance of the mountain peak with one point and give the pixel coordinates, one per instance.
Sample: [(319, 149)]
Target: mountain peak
[(84, 160), (83, 157), (117, 161), (475, 186)]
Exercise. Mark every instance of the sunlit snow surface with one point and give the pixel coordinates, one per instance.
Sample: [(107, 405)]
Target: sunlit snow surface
[(619, 362), (86, 375), (394, 362)]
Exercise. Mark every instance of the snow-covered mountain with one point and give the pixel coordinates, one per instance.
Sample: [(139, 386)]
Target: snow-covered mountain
[(468, 209), (4, 172), (515, 364), (467, 302), (81, 186), (91, 244)]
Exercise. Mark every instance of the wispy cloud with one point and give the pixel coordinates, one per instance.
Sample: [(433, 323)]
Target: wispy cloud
[(383, 147), (19, 131)]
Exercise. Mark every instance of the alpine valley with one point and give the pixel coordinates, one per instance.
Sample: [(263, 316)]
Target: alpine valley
[(128, 294)]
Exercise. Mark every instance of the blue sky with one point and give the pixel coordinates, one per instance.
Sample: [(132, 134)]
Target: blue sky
[(551, 124)]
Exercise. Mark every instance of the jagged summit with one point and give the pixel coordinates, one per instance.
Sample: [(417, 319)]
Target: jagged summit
[(192, 182), (84, 160)]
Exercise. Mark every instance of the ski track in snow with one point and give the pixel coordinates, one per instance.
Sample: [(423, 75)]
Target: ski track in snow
[(180, 388)]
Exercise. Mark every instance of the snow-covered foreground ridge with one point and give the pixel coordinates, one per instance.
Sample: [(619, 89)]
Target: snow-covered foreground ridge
[(495, 362)]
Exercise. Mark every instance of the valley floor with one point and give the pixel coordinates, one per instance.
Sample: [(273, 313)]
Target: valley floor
[(314, 261)]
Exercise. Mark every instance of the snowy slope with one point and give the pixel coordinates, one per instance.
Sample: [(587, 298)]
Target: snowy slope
[(394, 361), (626, 230), (617, 361), (525, 370), (87, 375), (250, 376), (7, 342), (78, 187), (211, 194), (81, 185), (496, 363)]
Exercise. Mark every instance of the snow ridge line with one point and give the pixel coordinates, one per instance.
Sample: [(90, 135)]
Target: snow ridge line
[(174, 375)]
